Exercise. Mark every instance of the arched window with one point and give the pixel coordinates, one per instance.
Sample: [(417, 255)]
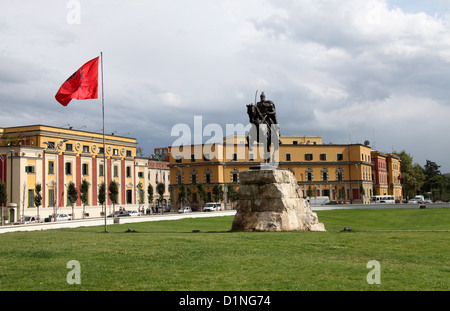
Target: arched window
[(208, 176), (340, 174), (309, 174), (324, 174), (193, 176), (180, 176), (235, 175)]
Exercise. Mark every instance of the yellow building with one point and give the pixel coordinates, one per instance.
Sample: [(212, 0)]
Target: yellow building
[(54, 157), (339, 172)]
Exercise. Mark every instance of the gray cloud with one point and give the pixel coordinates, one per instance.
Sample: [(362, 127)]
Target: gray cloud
[(346, 70)]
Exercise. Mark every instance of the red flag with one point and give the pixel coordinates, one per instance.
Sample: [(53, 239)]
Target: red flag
[(83, 84)]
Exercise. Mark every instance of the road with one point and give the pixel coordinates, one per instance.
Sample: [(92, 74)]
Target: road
[(173, 216)]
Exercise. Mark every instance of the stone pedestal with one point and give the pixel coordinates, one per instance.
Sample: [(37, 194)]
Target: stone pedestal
[(270, 200)]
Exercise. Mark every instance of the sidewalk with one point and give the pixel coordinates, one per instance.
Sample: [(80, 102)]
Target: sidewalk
[(100, 221)]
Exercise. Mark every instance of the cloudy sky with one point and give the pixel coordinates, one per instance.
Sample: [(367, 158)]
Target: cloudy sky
[(348, 70)]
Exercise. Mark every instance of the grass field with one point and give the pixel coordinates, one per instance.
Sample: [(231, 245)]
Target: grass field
[(411, 246)]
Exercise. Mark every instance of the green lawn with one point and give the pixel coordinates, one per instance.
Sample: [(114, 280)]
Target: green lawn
[(411, 245)]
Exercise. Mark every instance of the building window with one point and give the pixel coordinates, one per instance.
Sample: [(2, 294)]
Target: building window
[(309, 174), (178, 159), (323, 157), (69, 147), (51, 167), (141, 174), (235, 175), (68, 168), (308, 157), (116, 171), (340, 157), (51, 145), (100, 170), (288, 157), (193, 175), (116, 152), (29, 169), (85, 149), (101, 150), (208, 176), (129, 153), (251, 157), (179, 177), (234, 157), (192, 157), (324, 173), (85, 169), (30, 197), (340, 174), (128, 171)]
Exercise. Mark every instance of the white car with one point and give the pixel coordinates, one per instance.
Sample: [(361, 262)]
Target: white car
[(26, 220), (62, 217), (211, 207), (185, 209), (133, 213)]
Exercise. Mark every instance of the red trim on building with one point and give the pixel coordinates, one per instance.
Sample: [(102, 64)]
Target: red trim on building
[(61, 175), (43, 192), (123, 182), (94, 182), (78, 178)]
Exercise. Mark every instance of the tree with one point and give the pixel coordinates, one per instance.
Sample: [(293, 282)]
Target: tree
[(72, 196), (3, 199), (84, 194), (113, 193), (431, 169), (172, 193), (160, 189), (140, 193), (217, 193), (437, 182), (182, 194), (412, 175), (101, 195), (232, 195), (37, 197), (203, 195), (150, 196)]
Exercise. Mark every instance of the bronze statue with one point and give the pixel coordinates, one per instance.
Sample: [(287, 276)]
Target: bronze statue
[(263, 115)]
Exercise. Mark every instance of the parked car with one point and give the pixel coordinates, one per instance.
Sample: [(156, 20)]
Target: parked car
[(185, 209), (332, 203), (134, 213), (211, 207), (120, 214), (417, 199), (60, 217), (26, 220)]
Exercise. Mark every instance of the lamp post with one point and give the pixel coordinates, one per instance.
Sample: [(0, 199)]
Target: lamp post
[(11, 187)]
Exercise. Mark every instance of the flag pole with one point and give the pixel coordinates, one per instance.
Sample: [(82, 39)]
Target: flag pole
[(104, 147)]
